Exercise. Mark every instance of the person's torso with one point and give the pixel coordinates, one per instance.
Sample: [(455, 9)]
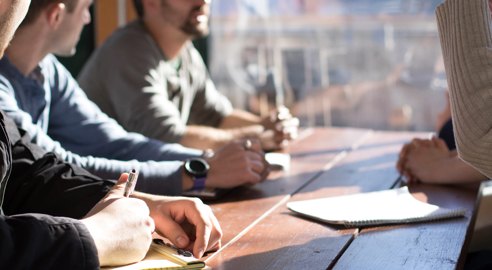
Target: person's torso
[(180, 83), (33, 93)]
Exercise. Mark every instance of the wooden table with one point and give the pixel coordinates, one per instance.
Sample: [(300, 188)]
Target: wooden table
[(261, 233)]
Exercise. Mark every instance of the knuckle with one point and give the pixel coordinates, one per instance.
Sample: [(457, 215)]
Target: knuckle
[(196, 202), (208, 225), (219, 232), (140, 203), (244, 163), (149, 222)]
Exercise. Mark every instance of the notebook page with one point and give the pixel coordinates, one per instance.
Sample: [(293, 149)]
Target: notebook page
[(388, 206)]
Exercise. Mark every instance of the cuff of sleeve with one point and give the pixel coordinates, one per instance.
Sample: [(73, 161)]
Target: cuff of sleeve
[(89, 246), (166, 178)]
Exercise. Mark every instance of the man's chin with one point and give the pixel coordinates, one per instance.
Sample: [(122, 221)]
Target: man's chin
[(196, 31), (67, 53)]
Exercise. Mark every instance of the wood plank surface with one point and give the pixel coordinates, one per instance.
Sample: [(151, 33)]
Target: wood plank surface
[(242, 207), (431, 245), (282, 240)]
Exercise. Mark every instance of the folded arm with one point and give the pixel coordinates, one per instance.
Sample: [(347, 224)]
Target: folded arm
[(466, 41), (36, 241)]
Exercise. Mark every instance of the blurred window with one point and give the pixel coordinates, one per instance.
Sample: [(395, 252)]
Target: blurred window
[(361, 63)]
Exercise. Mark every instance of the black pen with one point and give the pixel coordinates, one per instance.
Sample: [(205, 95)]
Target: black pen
[(400, 179), (131, 182)]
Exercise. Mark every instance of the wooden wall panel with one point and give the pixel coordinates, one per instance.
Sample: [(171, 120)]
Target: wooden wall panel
[(106, 17)]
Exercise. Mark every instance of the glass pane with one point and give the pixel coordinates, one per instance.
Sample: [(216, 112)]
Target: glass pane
[(360, 63)]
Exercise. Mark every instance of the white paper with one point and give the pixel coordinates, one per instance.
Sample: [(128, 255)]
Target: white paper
[(382, 207)]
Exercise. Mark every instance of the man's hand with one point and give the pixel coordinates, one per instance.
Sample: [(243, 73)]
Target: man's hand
[(234, 165), (187, 222), (280, 127), (424, 160), (121, 227)]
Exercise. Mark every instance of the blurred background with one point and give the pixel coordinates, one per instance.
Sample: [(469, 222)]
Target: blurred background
[(360, 63)]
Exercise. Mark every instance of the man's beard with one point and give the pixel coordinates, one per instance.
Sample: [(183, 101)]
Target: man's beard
[(6, 27), (195, 30)]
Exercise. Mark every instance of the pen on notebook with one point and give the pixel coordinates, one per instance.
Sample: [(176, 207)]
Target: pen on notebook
[(398, 181), (131, 182)]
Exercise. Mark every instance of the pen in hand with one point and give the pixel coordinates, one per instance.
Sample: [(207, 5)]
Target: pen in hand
[(131, 182)]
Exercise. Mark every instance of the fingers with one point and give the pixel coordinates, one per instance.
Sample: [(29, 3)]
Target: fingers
[(265, 173), (407, 175), (266, 169), (118, 189), (286, 130), (208, 232), (441, 144), (258, 167), (402, 157), (172, 230), (216, 236), (203, 229), (256, 163), (151, 224), (253, 145)]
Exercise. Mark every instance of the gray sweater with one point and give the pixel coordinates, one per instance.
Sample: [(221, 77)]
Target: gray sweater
[(466, 41), (132, 81)]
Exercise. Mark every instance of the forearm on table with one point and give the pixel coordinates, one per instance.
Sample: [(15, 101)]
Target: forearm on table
[(239, 118), (464, 32), (456, 171), (202, 137)]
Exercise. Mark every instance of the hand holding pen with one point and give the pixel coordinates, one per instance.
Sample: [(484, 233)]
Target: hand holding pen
[(115, 221)]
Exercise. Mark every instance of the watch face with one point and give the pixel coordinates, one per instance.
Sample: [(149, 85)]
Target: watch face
[(197, 167)]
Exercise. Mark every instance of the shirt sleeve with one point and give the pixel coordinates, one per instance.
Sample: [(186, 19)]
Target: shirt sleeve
[(466, 41), (36, 241), (80, 123), (81, 127)]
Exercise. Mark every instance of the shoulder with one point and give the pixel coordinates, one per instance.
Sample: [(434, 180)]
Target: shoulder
[(127, 49), (54, 71), (9, 76), (133, 39), (50, 65)]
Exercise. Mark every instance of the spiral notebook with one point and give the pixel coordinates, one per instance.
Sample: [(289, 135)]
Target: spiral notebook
[(394, 206), (162, 256)]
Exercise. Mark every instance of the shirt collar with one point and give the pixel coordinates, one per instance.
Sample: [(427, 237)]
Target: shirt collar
[(36, 74)]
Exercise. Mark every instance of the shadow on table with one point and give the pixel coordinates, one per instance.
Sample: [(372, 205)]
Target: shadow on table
[(371, 174), (333, 227), (319, 253)]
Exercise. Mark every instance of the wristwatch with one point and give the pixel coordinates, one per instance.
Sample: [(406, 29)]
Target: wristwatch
[(197, 168)]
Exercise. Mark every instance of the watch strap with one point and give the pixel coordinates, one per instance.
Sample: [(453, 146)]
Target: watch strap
[(199, 182)]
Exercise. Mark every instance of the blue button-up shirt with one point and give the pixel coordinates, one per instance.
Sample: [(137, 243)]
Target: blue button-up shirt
[(59, 117)]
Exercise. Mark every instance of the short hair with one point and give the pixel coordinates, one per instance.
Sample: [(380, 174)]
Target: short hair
[(138, 7), (38, 5)]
